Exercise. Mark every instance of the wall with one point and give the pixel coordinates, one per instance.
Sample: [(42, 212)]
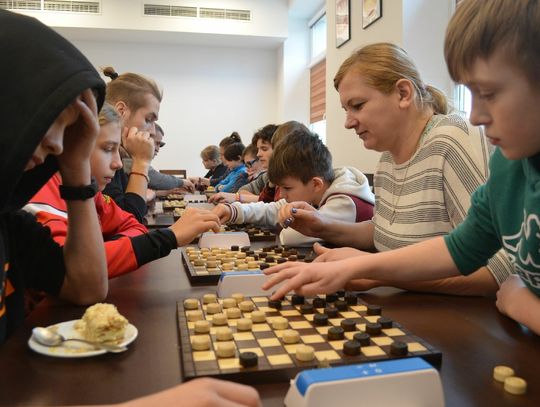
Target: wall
[(416, 25), (424, 23), (218, 76), (269, 19), (293, 73), (208, 92)]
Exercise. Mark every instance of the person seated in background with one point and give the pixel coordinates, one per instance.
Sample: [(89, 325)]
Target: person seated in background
[(137, 99), (128, 244), (169, 184), (261, 189), (211, 159), (270, 192), (302, 168), (202, 183), (262, 140), (251, 161), (431, 163), (232, 157), (255, 171)]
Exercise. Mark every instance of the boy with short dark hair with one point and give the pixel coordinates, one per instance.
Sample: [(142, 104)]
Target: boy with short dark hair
[(492, 47), (302, 168)]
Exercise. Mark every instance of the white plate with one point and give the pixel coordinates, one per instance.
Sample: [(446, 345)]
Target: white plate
[(74, 349)]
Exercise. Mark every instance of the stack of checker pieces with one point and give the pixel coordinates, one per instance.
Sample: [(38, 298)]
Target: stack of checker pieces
[(255, 233), (263, 341), (204, 266), (177, 206)]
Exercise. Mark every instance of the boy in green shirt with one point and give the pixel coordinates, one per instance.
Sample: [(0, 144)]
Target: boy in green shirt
[(492, 47)]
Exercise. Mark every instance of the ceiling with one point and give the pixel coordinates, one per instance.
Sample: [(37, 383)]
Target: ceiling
[(304, 9)]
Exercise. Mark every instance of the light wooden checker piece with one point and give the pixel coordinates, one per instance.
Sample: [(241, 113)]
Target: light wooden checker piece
[(276, 359), (171, 204), (179, 197), (204, 266)]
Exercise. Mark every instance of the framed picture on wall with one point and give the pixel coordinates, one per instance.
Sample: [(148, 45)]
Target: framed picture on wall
[(371, 12), (343, 22)]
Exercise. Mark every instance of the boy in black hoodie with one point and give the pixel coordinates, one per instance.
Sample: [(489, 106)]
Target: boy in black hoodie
[(49, 109)]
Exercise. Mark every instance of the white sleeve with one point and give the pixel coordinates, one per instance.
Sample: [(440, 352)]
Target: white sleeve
[(258, 213), (337, 207)]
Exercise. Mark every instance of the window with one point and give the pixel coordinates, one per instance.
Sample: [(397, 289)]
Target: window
[(318, 38), (463, 100), (462, 95), (317, 115)]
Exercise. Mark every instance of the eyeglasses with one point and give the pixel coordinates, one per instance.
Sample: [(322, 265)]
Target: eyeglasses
[(249, 164)]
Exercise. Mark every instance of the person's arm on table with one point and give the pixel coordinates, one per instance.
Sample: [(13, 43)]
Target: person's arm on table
[(515, 300), (230, 197), (222, 197), (192, 223), (427, 260), (479, 283), (308, 221), (205, 392), (223, 212)]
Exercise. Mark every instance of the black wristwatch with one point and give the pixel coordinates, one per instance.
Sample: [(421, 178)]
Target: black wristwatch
[(79, 193)]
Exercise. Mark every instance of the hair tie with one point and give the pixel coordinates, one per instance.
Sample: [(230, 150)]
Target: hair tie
[(113, 76)]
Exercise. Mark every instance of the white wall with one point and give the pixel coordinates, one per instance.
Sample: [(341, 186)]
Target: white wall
[(346, 147), (293, 73), (424, 23), (208, 92), (269, 18), (416, 25)]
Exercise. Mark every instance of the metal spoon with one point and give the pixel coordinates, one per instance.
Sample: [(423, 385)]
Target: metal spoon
[(47, 337)]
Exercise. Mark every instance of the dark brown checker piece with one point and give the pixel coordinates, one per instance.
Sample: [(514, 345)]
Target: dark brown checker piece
[(277, 360), (207, 270), (255, 233)]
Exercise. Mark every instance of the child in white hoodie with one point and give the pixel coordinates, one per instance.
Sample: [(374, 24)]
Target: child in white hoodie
[(302, 168)]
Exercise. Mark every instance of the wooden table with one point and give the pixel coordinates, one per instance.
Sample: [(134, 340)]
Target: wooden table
[(470, 332)]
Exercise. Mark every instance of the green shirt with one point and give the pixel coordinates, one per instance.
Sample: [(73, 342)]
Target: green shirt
[(505, 212)]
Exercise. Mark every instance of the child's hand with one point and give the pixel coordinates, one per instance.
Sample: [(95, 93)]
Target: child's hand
[(188, 186), (222, 197), (223, 212), (302, 217), (204, 392), (192, 223), (139, 145), (80, 138), (325, 254), (515, 300), (511, 294), (306, 278)]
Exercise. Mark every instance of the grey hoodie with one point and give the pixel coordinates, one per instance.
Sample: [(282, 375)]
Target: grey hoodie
[(336, 205)]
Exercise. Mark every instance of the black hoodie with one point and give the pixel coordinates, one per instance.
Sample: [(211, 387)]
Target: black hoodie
[(41, 73)]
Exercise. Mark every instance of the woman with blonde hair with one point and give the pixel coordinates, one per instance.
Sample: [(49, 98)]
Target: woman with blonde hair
[(431, 163)]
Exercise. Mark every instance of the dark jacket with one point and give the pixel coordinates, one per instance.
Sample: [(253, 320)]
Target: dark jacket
[(42, 74)]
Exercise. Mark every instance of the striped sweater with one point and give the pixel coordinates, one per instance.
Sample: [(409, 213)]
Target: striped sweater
[(429, 195)]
